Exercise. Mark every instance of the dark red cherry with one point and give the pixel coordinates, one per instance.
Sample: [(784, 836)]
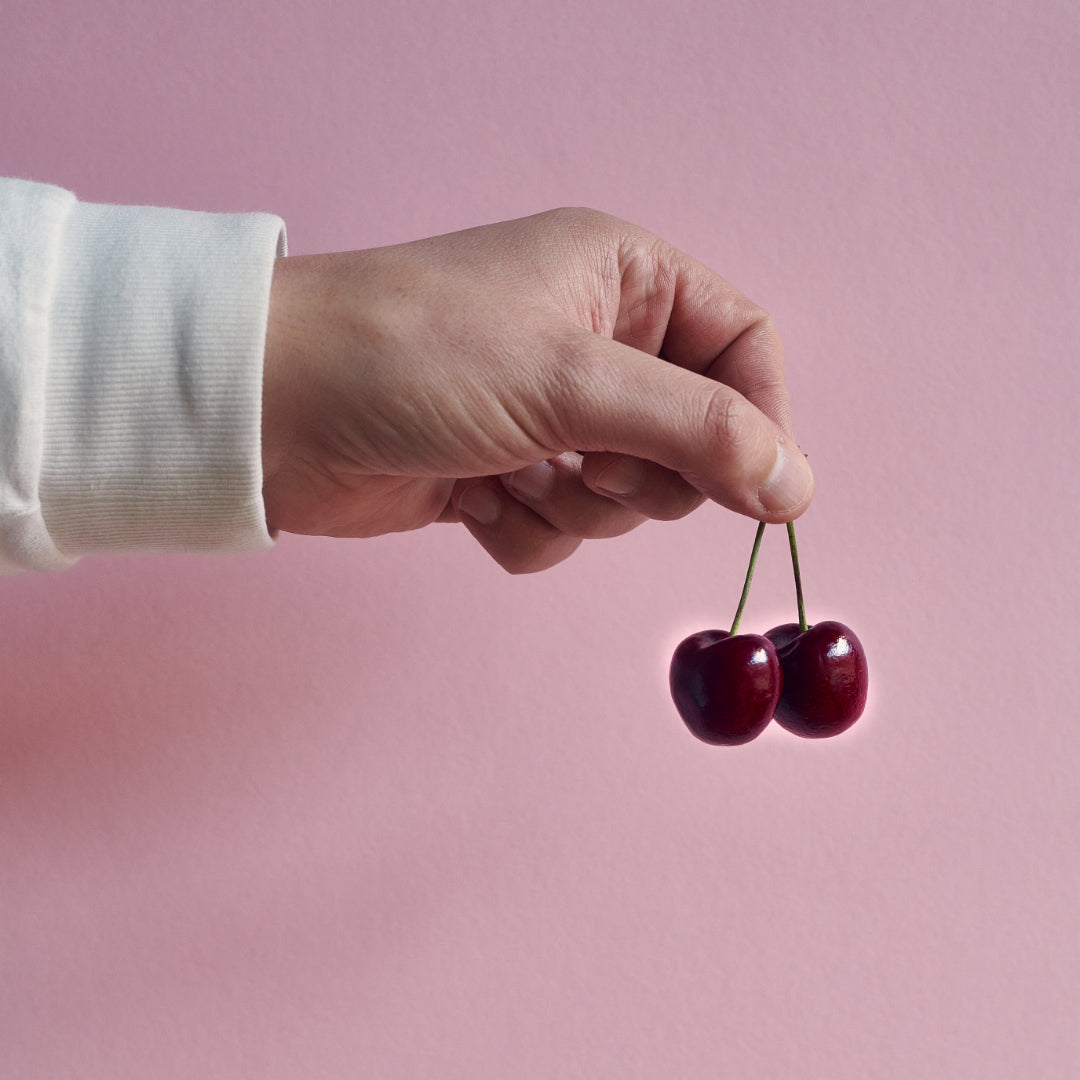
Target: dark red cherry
[(725, 688), (825, 678)]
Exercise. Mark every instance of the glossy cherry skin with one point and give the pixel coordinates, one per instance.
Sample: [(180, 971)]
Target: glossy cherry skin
[(725, 688), (825, 678)]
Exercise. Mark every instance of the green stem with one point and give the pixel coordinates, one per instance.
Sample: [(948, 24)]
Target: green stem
[(749, 577), (798, 577)]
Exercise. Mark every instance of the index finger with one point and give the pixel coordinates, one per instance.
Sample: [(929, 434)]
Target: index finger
[(676, 307)]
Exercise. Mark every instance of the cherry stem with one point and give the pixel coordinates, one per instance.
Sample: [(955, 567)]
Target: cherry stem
[(749, 577), (798, 577)]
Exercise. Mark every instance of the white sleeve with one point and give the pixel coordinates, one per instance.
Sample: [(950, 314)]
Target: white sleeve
[(131, 355)]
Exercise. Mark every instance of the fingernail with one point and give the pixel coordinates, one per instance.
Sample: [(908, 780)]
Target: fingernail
[(788, 483), (534, 481), (480, 503), (622, 477)]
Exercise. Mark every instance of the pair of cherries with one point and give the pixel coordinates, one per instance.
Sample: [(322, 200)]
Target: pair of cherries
[(728, 686)]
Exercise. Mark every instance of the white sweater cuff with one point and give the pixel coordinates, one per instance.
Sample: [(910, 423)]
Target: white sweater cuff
[(153, 395)]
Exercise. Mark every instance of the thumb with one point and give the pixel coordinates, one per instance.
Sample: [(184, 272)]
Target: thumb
[(612, 397)]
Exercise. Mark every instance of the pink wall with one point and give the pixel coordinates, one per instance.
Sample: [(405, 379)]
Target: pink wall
[(377, 809)]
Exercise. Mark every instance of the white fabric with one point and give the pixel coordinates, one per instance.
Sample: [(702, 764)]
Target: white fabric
[(131, 353)]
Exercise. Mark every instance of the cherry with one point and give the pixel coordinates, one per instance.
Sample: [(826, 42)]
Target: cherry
[(825, 678), (725, 686), (824, 670)]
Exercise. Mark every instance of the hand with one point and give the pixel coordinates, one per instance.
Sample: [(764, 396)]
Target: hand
[(542, 381)]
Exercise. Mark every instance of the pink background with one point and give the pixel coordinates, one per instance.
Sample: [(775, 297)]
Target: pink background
[(378, 809)]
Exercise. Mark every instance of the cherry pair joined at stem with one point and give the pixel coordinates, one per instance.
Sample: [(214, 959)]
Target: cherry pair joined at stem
[(728, 686)]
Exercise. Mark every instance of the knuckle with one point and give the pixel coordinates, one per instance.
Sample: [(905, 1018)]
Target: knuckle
[(590, 233), (765, 347), (576, 220), (727, 422), (760, 320)]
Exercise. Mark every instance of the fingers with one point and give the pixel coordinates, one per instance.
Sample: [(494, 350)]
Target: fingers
[(553, 490), (615, 398), (716, 331), (674, 305), (516, 537), (657, 438), (601, 495), (543, 511), (642, 486)]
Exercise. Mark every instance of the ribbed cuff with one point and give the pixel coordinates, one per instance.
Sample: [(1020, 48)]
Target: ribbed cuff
[(153, 398)]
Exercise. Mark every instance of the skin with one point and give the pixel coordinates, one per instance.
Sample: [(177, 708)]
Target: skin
[(412, 384)]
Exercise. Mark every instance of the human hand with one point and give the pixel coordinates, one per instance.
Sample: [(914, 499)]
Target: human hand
[(545, 380)]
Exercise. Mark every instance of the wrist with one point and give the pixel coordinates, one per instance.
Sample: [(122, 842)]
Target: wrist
[(278, 398)]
